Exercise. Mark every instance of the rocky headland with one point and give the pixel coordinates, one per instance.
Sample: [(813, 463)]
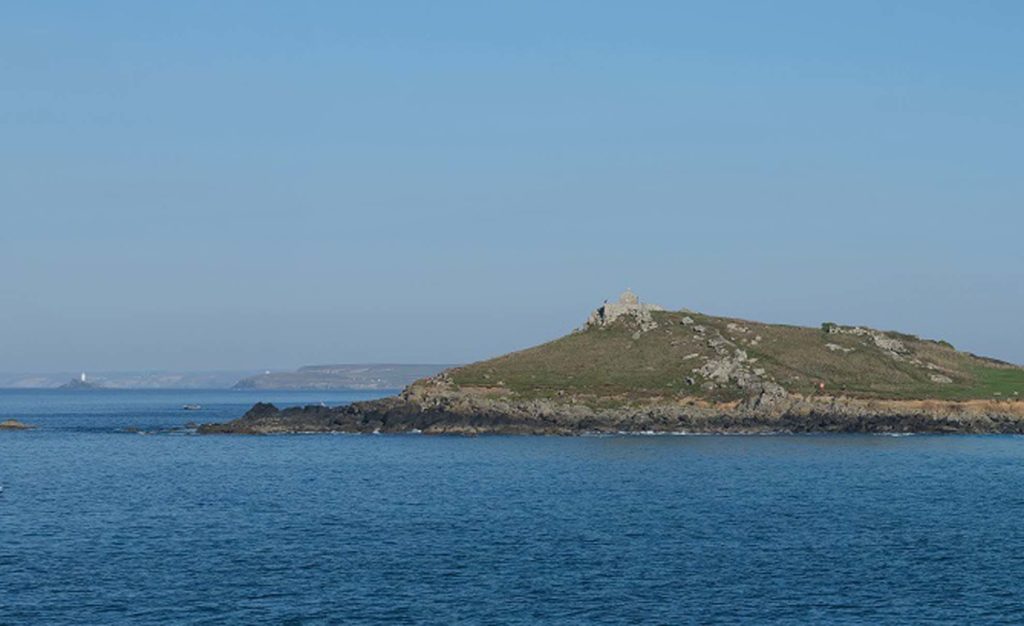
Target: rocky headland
[(637, 368)]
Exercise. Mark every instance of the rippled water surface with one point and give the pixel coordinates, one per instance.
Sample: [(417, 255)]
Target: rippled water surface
[(101, 524)]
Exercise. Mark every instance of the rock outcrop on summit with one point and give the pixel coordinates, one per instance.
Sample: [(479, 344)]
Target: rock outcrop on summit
[(636, 367)]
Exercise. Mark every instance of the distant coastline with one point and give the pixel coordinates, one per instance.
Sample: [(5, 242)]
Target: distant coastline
[(344, 376), (340, 377), (152, 379), (80, 384)]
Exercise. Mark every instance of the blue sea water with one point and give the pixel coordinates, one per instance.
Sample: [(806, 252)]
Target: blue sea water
[(100, 524)]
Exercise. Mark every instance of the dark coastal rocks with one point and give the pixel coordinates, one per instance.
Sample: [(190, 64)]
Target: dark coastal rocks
[(388, 415), (14, 425), (446, 411)]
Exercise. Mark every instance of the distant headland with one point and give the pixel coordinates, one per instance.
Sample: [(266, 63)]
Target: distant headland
[(339, 377), (323, 377), (82, 382), (636, 367)]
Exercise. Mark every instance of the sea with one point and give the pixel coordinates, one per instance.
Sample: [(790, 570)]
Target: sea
[(114, 512)]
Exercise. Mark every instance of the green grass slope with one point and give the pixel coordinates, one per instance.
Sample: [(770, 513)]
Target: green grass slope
[(621, 362)]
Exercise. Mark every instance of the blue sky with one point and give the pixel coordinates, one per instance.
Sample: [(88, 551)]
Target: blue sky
[(239, 184)]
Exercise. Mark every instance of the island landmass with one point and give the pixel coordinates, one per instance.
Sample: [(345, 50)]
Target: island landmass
[(635, 367)]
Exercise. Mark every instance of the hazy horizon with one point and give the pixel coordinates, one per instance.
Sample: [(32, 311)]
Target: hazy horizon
[(186, 186), (311, 377)]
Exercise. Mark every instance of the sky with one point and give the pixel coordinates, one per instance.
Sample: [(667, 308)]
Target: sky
[(233, 185)]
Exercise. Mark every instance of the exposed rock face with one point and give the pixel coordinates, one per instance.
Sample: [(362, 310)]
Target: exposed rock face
[(893, 346), (896, 349), (732, 365), (436, 407), (628, 305), (14, 425)]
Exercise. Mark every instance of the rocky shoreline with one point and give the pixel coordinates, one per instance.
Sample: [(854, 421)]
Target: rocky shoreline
[(482, 411)]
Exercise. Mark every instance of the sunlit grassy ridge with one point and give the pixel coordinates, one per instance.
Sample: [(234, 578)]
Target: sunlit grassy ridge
[(619, 361)]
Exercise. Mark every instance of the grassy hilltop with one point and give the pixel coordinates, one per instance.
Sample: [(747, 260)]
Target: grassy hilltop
[(665, 354)]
